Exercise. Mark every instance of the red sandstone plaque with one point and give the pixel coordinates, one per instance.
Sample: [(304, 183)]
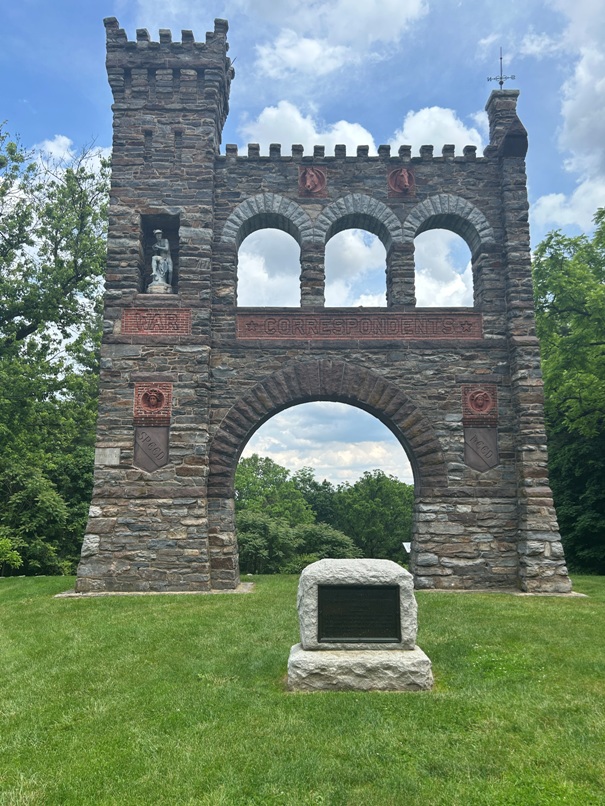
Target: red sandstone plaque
[(152, 403), (312, 181), (150, 322), (401, 182), (480, 405), (356, 325)]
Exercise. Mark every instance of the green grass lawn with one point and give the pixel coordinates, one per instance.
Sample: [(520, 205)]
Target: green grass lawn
[(181, 700)]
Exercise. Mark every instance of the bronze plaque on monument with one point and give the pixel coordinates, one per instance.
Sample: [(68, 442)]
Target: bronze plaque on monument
[(358, 614)]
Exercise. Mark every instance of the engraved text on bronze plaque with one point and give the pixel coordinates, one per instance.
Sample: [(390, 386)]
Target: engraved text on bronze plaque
[(358, 614)]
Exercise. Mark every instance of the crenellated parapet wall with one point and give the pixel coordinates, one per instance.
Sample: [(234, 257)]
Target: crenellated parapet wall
[(186, 72), (187, 375)]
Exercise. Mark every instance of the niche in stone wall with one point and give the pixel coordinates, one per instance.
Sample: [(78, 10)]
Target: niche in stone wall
[(169, 227)]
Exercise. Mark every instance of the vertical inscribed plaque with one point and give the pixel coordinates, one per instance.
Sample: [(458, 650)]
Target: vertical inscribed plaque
[(151, 447), (481, 448)]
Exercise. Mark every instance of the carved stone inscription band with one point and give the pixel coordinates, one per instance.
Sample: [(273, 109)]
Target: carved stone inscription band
[(354, 325), (149, 322)]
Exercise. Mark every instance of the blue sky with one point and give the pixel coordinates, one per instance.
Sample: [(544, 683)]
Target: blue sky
[(359, 72)]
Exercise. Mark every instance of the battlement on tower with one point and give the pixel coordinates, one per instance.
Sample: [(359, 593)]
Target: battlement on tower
[(183, 73)]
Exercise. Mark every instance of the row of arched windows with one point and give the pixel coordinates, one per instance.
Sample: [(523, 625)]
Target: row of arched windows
[(269, 267)]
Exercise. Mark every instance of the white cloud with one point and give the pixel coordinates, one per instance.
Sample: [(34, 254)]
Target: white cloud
[(285, 123), (338, 441), (443, 271), (556, 210), (486, 45), (539, 45), (437, 126), (586, 21), (59, 148), (583, 132), (268, 271), (321, 37), (291, 53), (355, 270)]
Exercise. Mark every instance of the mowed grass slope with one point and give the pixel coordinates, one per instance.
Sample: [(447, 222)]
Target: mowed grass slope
[(181, 700)]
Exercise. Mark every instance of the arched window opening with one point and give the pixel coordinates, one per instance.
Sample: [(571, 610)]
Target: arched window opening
[(268, 271), (444, 276), (309, 486), (355, 262)]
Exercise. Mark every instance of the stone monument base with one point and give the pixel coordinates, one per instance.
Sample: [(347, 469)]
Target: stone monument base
[(359, 670), (159, 288)]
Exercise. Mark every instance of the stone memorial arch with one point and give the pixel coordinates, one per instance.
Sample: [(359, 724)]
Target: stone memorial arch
[(187, 376)]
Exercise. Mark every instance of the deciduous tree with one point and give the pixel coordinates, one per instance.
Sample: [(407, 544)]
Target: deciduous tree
[(52, 247), (569, 282)]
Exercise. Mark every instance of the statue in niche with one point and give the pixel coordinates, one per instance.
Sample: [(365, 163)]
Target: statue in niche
[(161, 265)]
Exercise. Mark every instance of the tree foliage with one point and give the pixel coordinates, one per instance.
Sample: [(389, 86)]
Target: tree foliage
[(261, 485), (376, 511), (286, 521), (569, 282), (52, 247)]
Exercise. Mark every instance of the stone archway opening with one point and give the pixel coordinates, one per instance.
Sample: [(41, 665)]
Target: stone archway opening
[(355, 266), (304, 382), (443, 270), (324, 464), (268, 269)]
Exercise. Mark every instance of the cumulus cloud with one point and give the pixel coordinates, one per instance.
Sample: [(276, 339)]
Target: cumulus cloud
[(586, 21), (268, 271), (556, 210), (58, 148), (338, 441), (285, 123), (443, 271), (437, 126), (325, 35), (355, 270), (539, 45), (293, 53), (486, 46), (582, 134)]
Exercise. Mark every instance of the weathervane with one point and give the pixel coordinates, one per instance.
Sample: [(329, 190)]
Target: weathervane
[(501, 78)]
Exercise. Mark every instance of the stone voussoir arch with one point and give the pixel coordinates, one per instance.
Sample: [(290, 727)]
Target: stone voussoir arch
[(263, 211), (339, 381), (447, 211), (362, 212)]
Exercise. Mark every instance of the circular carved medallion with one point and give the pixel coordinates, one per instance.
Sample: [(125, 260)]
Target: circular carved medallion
[(312, 180), (152, 399), (401, 180), (481, 401)]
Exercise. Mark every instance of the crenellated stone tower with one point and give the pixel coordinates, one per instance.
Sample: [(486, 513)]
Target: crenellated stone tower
[(187, 376)]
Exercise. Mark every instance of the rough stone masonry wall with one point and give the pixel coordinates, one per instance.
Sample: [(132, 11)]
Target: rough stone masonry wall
[(221, 371)]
